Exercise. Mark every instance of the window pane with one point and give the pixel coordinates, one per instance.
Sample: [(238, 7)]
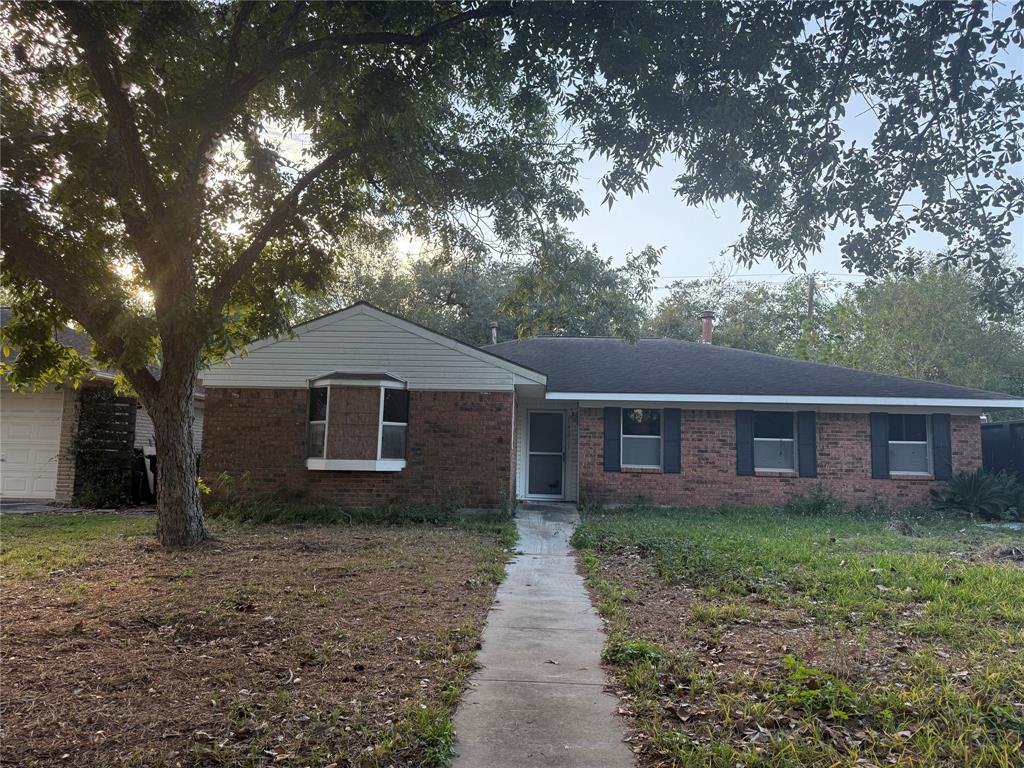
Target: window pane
[(896, 426), (915, 428), (774, 454), (546, 432), (776, 424), (904, 426), (545, 472), (315, 443), (908, 457), (641, 451), (641, 421), (392, 442), (318, 403), (396, 405)]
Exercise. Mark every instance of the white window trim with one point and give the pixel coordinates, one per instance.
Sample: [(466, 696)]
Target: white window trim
[(793, 440), (356, 465), (928, 452), (660, 437)]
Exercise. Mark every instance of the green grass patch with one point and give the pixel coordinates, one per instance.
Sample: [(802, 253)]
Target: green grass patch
[(33, 545), (954, 700), (846, 568)]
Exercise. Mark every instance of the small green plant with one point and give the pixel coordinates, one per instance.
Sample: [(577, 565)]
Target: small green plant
[(817, 503), (816, 691), (628, 652), (982, 495)]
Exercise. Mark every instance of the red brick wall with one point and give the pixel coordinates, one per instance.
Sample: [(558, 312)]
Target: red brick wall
[(709, 476), (353, 420), (459, 448)]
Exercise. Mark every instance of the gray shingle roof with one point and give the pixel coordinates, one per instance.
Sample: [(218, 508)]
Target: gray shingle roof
[(671, 366)]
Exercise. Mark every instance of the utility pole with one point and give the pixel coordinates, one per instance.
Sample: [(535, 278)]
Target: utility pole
[(810, 300)]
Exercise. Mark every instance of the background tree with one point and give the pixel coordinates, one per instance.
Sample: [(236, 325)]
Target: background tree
[(934, 325), (565, 288), (759, 316), (144, 200)]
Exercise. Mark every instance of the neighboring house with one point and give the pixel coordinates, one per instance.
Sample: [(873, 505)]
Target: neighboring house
[(362, 407), (37, 430)]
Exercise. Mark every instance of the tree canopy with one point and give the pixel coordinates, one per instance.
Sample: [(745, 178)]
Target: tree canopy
[(145, 199)]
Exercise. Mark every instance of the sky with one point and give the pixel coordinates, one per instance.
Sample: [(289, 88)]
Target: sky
[(694, 238)]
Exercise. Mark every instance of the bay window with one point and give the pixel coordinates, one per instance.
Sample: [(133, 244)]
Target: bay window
[(357, 422)]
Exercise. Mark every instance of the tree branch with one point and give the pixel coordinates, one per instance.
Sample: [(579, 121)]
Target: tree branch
[(23, 253), (270, 226), (99, 55), (424, 37)]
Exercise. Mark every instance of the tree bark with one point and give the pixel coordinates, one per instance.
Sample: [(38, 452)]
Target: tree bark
[(180, 521)]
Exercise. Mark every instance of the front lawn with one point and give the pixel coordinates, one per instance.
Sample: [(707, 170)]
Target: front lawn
[(760, 638), (284, 646)]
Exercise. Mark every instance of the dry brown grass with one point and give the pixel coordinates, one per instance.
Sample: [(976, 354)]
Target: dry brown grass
[(293, 646)]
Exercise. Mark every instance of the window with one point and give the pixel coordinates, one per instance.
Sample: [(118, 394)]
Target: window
[(775, 441), (316, 436), (641, 437), (909, 451), (394, 423)]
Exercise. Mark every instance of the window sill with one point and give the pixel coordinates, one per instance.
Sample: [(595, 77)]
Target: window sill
[(911, 476), (642, 470), (356, 465), (776, 473)]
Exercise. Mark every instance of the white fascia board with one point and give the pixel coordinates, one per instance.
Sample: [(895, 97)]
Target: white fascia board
[(356, 465), (906, 402)]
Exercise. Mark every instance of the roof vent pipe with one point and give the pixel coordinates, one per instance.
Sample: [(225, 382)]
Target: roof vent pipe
[(707, 326), (494, 331)]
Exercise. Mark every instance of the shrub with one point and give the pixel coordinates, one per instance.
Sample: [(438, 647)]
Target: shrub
[(814, 504), (981, 495)]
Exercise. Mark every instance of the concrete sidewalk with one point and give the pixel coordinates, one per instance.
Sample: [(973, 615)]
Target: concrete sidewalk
[(539, 698)]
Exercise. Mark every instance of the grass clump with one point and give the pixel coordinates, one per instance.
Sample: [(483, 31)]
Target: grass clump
[(629, 652)]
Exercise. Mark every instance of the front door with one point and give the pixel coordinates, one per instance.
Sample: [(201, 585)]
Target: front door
[(545, 461)]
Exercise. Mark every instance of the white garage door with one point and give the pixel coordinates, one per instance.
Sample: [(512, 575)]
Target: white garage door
[(29, 443)]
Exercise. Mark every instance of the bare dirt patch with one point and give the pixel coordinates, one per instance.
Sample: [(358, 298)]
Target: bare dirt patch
[(270, 646)]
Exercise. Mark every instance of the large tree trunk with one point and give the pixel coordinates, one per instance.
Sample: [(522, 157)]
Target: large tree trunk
[(180, 520)]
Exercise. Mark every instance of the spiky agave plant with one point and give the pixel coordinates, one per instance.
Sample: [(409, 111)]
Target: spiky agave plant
[(980, 494)]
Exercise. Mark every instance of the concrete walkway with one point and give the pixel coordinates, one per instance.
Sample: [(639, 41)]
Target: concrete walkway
[(539, 698)]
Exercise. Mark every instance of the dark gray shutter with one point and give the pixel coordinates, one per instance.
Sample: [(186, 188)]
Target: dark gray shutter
[(880, 446), (612, 436), (807, 440), (942, 447), (671, 423), (744, 442)]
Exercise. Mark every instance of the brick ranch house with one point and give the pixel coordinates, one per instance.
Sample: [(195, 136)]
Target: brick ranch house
[(362, 408)]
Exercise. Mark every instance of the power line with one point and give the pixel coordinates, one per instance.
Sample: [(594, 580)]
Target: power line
[(744, 276)]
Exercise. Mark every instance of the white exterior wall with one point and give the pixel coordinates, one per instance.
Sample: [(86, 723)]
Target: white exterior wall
[(362, 339), (572, 452)]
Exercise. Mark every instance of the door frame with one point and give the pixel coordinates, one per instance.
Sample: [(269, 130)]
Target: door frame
[(526, 475)]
